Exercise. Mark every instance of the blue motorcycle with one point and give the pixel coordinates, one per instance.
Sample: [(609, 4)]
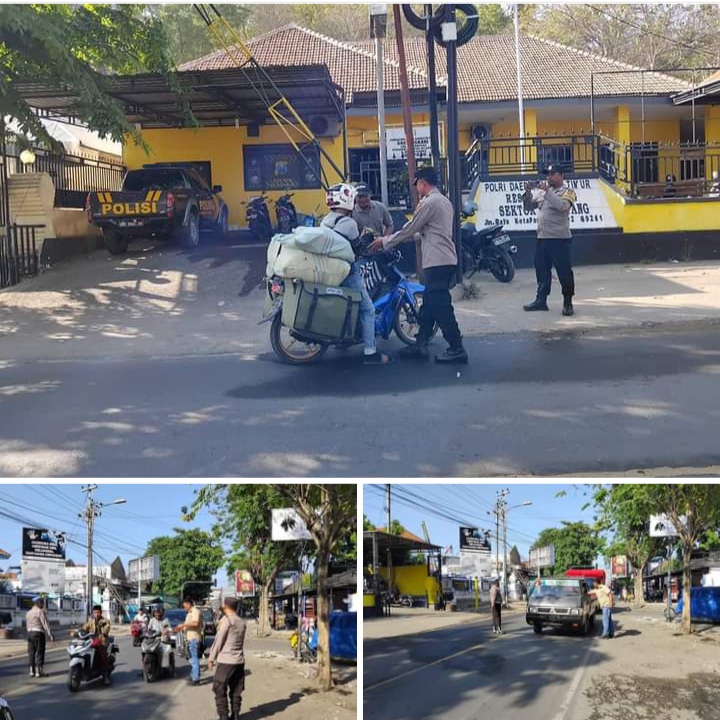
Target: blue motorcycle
[(397, 303)]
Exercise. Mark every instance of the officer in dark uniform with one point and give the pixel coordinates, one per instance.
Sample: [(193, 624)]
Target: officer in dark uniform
[(554, 202)]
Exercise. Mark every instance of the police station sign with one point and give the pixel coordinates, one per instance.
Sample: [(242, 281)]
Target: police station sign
[(397, 147), (501, 203)]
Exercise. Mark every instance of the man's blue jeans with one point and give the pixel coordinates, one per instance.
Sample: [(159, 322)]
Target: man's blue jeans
[(194, 660), (355, 281), (608, 629)]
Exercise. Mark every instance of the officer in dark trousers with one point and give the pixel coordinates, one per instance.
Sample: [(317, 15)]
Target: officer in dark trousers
[(554, 202)]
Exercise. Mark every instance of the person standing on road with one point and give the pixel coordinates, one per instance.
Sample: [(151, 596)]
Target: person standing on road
[(38, 631), (605, 598), (496, 606), (554, 201), (433, 221), (371, 214), (228, 653), (192, 627)]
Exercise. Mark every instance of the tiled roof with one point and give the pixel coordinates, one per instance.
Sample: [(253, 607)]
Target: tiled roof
[(486, 66)]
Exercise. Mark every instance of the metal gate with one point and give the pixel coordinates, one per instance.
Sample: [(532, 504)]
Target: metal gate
[(19, 256)]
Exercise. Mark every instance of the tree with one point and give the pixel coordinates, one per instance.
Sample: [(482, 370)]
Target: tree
[(188, 35), (329, 512), (576, 545), (187, 555), (396, 527), (367, 525), (77, 48), (694, 509), (625, 510), (243, 520)]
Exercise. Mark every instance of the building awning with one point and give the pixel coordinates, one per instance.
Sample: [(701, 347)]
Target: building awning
[(215, 97), (707, 93), (4, 555), (386, 541)]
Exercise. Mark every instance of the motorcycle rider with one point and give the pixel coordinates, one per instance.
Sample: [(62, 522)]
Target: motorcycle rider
[(341, 201), (99, 627), (159, 624)]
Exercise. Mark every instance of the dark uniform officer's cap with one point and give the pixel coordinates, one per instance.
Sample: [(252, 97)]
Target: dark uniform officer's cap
[(428, 174), (363, 191), (555, 168)]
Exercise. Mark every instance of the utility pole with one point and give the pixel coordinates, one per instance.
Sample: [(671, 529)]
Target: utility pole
[(432, 97), (378, 31), (387, 506), (92, 510)]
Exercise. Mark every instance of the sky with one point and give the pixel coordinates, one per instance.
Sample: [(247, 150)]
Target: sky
[(150, 510), (446, 507)]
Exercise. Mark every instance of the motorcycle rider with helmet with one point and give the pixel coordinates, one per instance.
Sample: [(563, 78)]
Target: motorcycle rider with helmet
[(158, 623), (341, 202), (99, 627)]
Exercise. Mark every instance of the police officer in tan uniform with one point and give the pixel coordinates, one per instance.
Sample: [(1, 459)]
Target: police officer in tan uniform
[(554, 202)]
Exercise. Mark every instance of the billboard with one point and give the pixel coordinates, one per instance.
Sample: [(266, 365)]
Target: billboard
[(542, 556), (619, 566), (662, 526), (43, 576), (473, 540), (145, 569), (288, 525), (42, 544), (244, 583)]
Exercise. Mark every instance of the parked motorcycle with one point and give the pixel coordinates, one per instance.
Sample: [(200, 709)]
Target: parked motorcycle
[(286, 213), (5, 711), (257, 218), (84, 665), (487, 249), (397, 307), (157, 656), (397, 598)]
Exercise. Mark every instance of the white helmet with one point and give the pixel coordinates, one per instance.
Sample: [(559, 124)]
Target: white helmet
[(341, 196)]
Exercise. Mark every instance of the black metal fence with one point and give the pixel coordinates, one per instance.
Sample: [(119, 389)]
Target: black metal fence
[(73, 176), (19, 254)]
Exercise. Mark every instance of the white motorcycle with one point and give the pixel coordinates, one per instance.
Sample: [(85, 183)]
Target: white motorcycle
[(84, 666), (5, 711), (156, 657)]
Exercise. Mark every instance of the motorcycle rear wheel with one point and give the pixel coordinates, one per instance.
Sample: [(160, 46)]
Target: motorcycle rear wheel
[(502, 266), (290, 350), (74, 678), (407, 321)]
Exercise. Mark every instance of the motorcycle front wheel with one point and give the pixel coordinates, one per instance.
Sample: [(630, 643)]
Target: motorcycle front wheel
[(150, 671), (290, 349), (74, 678), (502, 266), (407, 320)]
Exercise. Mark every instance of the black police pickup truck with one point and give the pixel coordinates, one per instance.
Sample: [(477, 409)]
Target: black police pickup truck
[(164, 201), (564, 602)]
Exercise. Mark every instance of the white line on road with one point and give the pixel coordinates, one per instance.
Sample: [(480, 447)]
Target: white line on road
[(565, 704), (159, 713)]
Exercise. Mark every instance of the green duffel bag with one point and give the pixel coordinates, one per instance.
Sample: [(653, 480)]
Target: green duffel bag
[(321, 312)]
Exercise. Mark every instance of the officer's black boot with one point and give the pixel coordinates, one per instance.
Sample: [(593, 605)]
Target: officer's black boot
[(453, 356), (568, 309), (418, 351), (540, 303)]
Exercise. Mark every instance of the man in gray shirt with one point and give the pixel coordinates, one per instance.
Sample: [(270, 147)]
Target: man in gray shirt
[(371, 214), (228, 653), (554, 201), (433, 221)]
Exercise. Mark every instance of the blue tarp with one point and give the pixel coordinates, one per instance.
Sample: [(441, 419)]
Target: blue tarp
[(343, 635), (704, 604)]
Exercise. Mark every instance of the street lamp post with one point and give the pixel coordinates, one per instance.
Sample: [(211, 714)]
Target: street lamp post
[(505, 510)]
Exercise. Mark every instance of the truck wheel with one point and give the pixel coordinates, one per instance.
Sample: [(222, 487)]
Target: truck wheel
[(537, 628), (115, 243), (189, 235)]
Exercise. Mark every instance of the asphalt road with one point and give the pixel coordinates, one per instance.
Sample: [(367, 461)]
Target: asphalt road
[(524, 405), (127, 697), (467, 673)]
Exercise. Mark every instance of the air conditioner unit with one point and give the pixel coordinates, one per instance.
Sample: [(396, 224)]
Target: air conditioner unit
[(324, 125)]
